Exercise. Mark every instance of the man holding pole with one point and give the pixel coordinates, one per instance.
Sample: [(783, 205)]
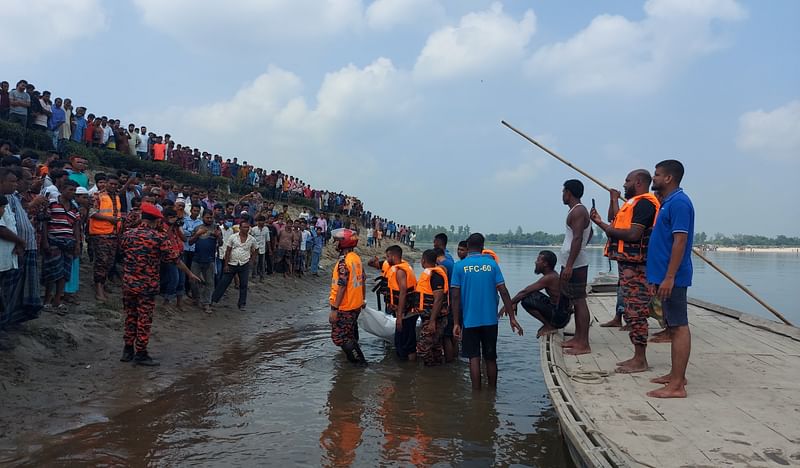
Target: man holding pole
[(628, 238), (669, 268), (575, 272)]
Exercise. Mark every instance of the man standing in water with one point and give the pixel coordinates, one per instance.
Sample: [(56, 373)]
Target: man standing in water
[(347, 298), (669, 268), (575, 271), (628, 237), (473, 293)]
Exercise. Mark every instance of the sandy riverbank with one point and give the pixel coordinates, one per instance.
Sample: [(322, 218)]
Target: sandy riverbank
[(62, 372)]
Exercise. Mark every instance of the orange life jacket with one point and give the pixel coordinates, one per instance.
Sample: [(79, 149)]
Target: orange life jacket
[(108, 207), (491, 254), (394, 287), (354, 291), (632, 252), (425, 291)]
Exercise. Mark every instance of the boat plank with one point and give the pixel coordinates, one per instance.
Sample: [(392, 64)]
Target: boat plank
[(742, 408)]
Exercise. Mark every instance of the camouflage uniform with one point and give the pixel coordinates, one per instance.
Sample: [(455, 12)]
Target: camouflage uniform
[(429, 346), (637, 294), (145, 248)]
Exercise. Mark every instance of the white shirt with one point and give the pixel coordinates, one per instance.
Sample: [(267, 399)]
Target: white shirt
[(51, 193), (582, 259), (240, 251), (304, 215), (93, 190), (305, 235), (262, 237), (8, 261), (370, 232), (107, 133), (142, 145), (226, 234), (41, 119)]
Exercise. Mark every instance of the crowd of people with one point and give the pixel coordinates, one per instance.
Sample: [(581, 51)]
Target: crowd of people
[(32, 109), (150, 235), (649, 236)]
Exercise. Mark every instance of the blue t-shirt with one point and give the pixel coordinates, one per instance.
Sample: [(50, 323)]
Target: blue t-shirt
[(448, 264), (676, 215), (478, 276)]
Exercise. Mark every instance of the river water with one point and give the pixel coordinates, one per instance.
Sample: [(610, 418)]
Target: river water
[(288, 398)]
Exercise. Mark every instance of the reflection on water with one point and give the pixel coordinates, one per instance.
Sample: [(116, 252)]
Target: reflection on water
[(289, 398)]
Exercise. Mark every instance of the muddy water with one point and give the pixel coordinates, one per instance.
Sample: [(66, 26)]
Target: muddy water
[(287, 398)]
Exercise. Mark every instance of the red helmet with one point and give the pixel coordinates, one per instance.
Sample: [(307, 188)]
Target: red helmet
[(348, 243)]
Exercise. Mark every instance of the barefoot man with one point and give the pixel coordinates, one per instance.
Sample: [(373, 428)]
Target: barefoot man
[(669, 268), (628, 237), (576, 265), (544, 307)]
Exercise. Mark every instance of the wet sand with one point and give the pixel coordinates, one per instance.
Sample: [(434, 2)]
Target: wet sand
[(59, 373)]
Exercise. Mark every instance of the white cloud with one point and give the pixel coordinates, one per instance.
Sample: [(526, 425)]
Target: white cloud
[(249, 21), (525, 170), (614, 53), (482, 41), (31, 29), (273, 116), (387, 14), (772, 134)]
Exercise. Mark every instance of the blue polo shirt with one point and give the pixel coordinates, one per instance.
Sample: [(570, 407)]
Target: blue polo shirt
[(478, 276), (448, 264), (676, 215)]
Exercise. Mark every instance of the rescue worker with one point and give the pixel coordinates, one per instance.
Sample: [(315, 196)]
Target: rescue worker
[(347, 298), (145, 247), (381, 283), (432, 289), (628, 236), (104, 224), (401, 282)]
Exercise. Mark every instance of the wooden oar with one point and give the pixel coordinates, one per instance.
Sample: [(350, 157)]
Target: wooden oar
[(694, 249)]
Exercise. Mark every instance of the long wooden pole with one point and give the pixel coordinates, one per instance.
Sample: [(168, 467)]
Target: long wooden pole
[(694, 249)]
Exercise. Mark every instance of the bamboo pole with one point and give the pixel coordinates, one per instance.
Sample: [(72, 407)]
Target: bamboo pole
[(694, 249)]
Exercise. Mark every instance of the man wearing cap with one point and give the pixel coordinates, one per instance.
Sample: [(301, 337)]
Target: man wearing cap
[(348, 292), (145, 248)]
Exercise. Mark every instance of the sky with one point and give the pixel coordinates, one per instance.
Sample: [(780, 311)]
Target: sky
[(399, 102)]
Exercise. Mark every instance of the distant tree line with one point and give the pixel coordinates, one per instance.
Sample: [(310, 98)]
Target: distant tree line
[(456, 233), (425, 233), (742, 240)]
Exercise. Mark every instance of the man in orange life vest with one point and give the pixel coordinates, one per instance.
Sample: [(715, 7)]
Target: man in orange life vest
[(432, 288), (348, 293), (104, 224), (401, 281), (628, 236)]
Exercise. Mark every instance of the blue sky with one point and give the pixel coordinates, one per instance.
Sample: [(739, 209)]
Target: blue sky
[(399, 101)]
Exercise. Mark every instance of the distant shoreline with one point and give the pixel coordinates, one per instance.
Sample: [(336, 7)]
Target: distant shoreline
[(791, 250)]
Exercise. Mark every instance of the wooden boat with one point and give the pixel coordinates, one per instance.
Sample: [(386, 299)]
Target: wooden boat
[(743, 403)]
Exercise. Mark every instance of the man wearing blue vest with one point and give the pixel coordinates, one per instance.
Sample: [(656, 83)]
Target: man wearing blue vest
[(473, 294), (669, 269)]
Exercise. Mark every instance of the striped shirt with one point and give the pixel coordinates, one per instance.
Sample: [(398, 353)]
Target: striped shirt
[(62, 221)]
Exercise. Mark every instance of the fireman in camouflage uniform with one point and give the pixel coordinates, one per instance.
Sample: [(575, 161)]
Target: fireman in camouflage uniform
[(628, 236), (433, 289), (144, 247)]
